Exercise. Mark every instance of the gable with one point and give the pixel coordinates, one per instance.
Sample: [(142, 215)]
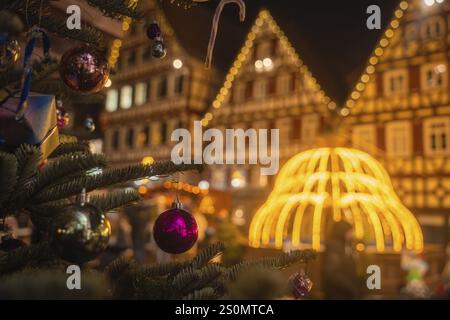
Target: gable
[(395, 63), (265, 55)]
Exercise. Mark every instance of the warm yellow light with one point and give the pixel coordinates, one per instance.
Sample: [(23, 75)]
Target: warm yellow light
[(108, 83), (325, 184), (345, 112), (395, 24), (404, 5), (384, 42), (177, 64), (148, 160), (370, 69), (365, 78), (208, 116), (389, 33), (399, 13), (378, 51), (355, 95), (142, 190)]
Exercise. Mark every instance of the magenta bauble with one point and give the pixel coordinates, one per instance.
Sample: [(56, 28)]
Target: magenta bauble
[(175, 231)]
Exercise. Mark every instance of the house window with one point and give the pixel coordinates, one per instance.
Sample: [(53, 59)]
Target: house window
[(162, 87), (130, 137), (143, 137), (218, 179), (434, 76), (365, 137), (179, 84), (164, 132), (147, 54), (112, 100), (411, 32), (310, 125), (260, 89), (126, 97), (436, 136), (115, 140), (433, 27), (399, 138), (155, 133), (284, 84), (140, 95), (396, 82), (272, 86)]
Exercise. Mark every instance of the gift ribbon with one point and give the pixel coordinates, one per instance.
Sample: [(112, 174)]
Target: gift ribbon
[(28, 65)]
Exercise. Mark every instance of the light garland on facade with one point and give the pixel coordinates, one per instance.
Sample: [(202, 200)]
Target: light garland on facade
[(263, 17), (334, 183), (114, 52), (375, 57)]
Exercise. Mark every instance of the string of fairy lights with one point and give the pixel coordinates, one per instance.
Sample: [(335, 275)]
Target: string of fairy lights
[(114, 52), (263, 17), (375, 58)]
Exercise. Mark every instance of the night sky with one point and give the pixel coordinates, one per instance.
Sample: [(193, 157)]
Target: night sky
[(333, 31)]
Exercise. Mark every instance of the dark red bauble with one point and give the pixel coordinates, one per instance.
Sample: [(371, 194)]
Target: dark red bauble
[(9, 243), (175, 231), (300, 284), (84, 69)]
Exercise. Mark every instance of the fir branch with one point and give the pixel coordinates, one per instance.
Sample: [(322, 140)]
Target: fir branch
[(49, 209), (283, 261), (10, 80), (207, 275), (186, 278), (116, 9), (202, 294), (63, 166), (119, 267), (207, 254), (21, 257), (28, 158), (8, 177), (161, 269), (114, 200), (110, 177), (87, 34), (66, 148)]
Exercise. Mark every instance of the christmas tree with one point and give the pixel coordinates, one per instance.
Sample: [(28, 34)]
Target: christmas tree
[(42, 171)]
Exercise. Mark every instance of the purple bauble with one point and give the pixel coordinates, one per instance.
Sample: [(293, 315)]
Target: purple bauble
[(300, 284), (175, 231), (153, 31)]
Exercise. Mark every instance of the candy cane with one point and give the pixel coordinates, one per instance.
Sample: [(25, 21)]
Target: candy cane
[(215, 26)]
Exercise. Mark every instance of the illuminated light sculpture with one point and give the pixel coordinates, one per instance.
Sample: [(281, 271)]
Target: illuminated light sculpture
[(322, 185)]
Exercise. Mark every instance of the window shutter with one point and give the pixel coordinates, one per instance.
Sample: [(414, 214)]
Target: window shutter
[(296, 129), (414, 78), (379, 81), (249, 90), (272, 86), (417, 138), (381, 138)]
